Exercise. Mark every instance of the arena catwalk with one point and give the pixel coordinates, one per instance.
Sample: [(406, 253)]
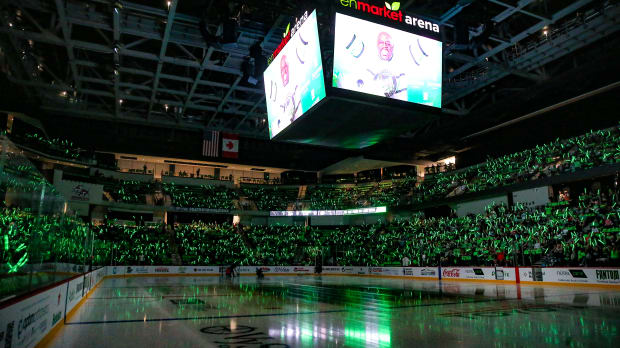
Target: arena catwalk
[(336, 311)]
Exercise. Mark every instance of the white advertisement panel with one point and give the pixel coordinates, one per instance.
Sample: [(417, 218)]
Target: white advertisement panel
[(172, 270), (417, 272), (386, 62), (355, 270), (294, 80), (80, 191), (533, 197), (603, 276), (386, 271), (246, 269), (25, 323), (303, 269), (332, 270), (115, 270), (77, 290), (420, 272), (525, 274), (505, 273), (99, 274), (328, 213), (478, 207), (199, 269), (478, 273), (286, 269)]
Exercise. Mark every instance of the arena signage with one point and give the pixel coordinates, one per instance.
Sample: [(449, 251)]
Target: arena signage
[(288, 34), (360, 211), (607, 275), (391, 12)]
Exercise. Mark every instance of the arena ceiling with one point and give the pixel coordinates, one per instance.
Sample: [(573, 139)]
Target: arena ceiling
[(146, 62)]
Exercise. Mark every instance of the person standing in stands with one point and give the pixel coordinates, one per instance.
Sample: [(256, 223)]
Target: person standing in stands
[(501, 258), (406, 261), (615, 256)]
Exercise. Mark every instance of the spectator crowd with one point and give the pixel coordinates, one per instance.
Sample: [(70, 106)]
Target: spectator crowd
[(584, 232)]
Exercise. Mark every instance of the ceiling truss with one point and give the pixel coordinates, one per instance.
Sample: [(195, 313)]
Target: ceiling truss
[(153, 66)]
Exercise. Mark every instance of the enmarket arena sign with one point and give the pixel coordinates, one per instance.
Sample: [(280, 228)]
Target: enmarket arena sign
[(392, 12)]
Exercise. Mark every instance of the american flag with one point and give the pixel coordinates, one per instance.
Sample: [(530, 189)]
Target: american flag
[(211, 144)]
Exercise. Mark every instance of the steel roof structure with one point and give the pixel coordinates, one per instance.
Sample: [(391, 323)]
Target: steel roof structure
[(146, 62)]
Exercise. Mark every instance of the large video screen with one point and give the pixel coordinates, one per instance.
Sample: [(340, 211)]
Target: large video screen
[(294, 81), (386, 62)]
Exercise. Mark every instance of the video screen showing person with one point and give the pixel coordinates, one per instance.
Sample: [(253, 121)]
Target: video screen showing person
[(386, 62), (294, 81)]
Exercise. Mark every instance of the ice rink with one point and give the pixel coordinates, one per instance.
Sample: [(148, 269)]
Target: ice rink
[(335, 311)]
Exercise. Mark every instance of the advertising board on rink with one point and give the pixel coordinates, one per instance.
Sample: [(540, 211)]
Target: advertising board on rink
[(25, 323), (603, 276), (478, 273), (420, 272), (333, 270)]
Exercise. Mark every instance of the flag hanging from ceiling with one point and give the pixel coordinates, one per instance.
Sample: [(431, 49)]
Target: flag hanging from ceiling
[(211, 143), (230, 145)]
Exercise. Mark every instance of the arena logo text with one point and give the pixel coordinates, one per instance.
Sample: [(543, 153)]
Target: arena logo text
[(288, 34), (391, 12)]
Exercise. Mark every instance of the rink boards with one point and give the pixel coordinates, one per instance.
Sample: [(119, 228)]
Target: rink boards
[(29, 321), (583, 276)]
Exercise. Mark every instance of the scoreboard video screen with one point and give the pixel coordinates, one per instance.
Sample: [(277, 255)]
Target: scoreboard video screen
[(294, 80), (386, 62)]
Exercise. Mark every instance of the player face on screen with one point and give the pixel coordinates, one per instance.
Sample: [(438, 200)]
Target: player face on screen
[(284, 71), (385, 46)]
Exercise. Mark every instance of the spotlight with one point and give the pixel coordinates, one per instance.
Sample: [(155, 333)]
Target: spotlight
[(117, 6), (116, 47)]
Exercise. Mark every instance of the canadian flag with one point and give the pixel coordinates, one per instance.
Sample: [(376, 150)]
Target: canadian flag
[(230, 145)]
